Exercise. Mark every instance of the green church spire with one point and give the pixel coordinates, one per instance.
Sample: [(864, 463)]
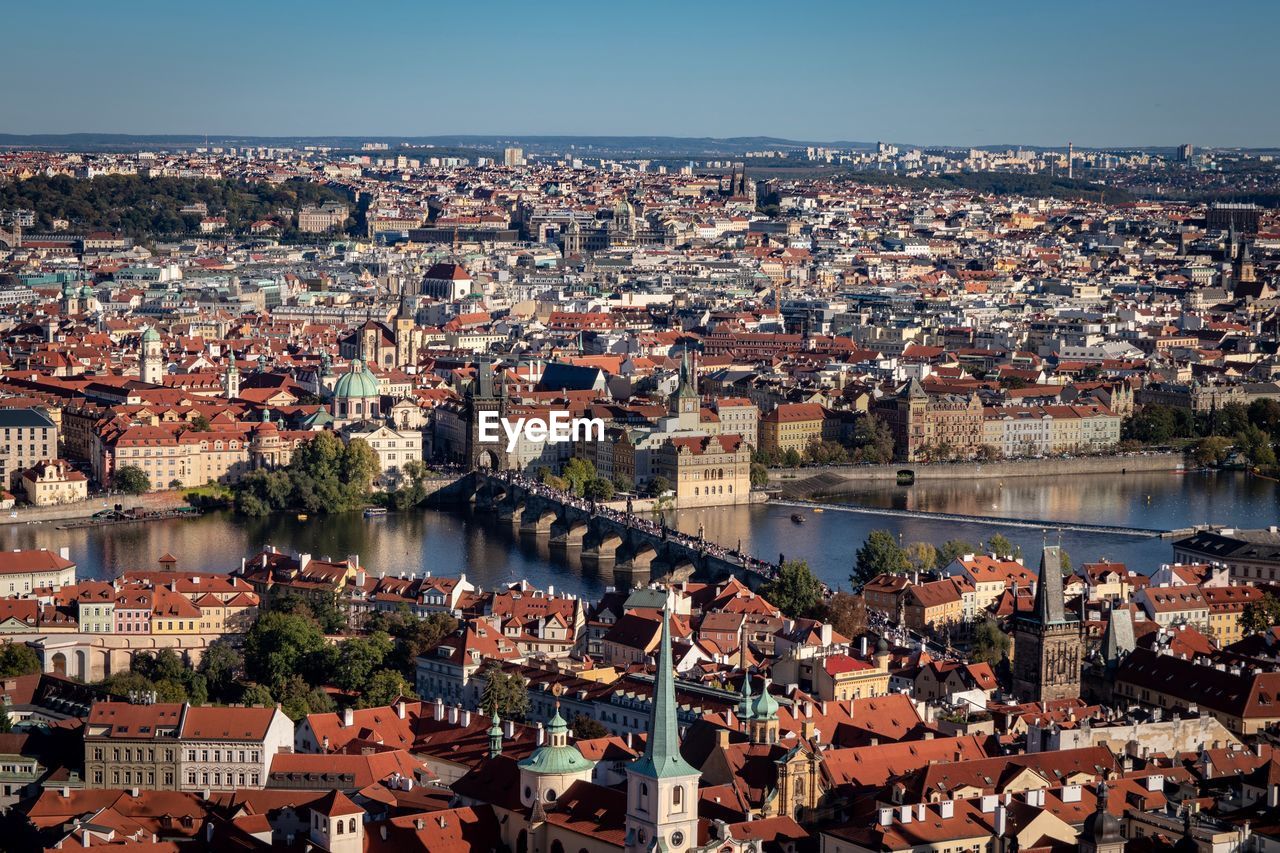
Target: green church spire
[(662, 750)]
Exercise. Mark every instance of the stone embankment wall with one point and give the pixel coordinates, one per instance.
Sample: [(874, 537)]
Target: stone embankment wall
[(801, 483)]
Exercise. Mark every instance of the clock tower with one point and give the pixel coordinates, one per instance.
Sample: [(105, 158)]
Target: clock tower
[(662, 788), (684, 405)]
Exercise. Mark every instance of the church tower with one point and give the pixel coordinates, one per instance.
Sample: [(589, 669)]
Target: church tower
[(1047, 644), (406, 334), (662, 788), (231, 381), (571, 245), (684, 405), (152, 371), (762, 728), (1244, 270)]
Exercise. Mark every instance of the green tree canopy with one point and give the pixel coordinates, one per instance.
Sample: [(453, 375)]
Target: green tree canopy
[(990, 644), (384, 687), (1260, 616), (506, 693), (879, 554), (17, 658), (795, 591), (586, 728), (131, 480), (277, 647)]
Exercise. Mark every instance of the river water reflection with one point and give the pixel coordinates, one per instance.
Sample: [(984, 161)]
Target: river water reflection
[(448, 543)]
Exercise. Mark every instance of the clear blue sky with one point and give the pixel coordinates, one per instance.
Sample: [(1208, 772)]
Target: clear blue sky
[(1113, 73)]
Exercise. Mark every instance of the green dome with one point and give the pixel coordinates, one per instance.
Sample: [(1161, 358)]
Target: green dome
[(150, 335), (86, 292), (557, 756), (358, 382), (766, 706), (68, 288)]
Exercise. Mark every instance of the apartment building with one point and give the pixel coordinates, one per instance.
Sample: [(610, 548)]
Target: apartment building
[(177, 747), (27, 436)]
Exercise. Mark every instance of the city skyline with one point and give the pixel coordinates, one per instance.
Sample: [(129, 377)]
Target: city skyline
[(1124, 77)]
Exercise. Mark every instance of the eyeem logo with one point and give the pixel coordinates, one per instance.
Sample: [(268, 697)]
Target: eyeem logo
[(556, 429)]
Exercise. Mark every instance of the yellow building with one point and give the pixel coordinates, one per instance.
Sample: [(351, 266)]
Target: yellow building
[(794, 426), (706, 470), (1226, 606)]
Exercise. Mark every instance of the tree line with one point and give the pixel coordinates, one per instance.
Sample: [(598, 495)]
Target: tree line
[(141, 207)]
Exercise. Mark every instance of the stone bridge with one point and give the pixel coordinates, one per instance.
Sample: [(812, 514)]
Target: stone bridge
[(636, 551)]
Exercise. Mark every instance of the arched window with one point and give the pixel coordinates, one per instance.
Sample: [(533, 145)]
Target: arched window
[(551, 795), (339, 827), (352, 825), (677, 798), (557, 847)]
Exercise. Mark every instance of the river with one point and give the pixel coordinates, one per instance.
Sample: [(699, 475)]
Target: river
[(449, 543)]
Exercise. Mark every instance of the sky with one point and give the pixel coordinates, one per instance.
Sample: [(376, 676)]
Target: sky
[(1118, 73)]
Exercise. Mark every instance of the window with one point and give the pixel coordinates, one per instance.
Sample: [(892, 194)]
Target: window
[(677, 798)]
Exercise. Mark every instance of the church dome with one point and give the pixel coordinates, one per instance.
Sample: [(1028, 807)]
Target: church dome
[(359, 382), (557, 757), (150, 335), (766, 707), (1103, 828), (86, 292)]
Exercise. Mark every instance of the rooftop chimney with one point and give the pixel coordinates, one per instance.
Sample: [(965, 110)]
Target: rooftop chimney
[(946, 809), (348, 718), (1002, 820), (400, 709)]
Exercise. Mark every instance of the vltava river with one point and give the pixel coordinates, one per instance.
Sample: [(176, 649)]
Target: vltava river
[(452, 543)]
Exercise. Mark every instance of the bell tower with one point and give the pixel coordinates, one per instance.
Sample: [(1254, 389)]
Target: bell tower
[(1047, 643), (662, 788)]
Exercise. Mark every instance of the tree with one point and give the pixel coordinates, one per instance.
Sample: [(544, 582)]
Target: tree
[(879, 554), (922, 556), (791, 457), (659, 486), (1000, 545), (623, 483), (257, 694), (277, 646), (847, 614), (794, 591), (358, 659), (1255, 444), (1259, 616), (18, 659), (990, 644), (384, 687), (578, 472), (6, 722), (298, 698), (200, 424), (504, 693), (1210, 451), (586, 728), (759, 476), (872, 439), (131, 480), (953, 549), (324, 475), (598, 489)]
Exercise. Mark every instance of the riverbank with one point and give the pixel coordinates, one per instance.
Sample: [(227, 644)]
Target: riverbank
[(816, 482), (85, 509)]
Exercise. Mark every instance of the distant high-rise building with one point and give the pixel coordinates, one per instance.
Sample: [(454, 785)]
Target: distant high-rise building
[(1186, 152), (513, 156)]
